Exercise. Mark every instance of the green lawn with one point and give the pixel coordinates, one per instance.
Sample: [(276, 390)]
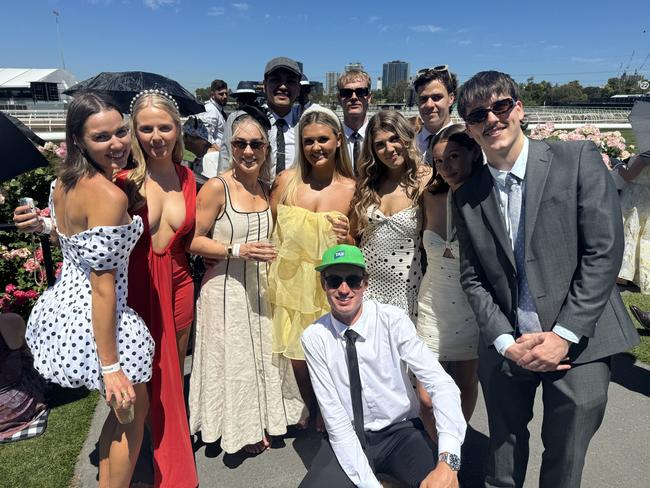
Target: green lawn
[(48, 461), (642, 351)]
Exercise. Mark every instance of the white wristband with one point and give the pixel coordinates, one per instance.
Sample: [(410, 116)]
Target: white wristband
[(47, 225), (111, 368), (235, 250)]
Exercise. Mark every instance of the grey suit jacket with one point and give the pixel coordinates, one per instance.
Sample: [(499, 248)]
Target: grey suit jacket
[(573, 244)]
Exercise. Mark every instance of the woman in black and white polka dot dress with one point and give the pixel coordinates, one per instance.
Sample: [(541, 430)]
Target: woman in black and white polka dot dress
[(387, 217), (80, 331)]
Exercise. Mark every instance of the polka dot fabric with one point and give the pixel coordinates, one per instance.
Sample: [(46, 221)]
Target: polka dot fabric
[(391, 248), (59, 331)]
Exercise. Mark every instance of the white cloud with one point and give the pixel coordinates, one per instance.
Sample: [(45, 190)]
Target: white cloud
[(154, 4), (216, 11), (464, 30), (383, 28), (464, 43), (497, 44), (373, 19), (240, 6), (267, 16), (426, 28)]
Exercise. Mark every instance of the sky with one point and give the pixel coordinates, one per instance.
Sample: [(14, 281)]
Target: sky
[(196, 41)]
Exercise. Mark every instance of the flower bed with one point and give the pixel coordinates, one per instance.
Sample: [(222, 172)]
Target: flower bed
[(612, 145), (22, 274)]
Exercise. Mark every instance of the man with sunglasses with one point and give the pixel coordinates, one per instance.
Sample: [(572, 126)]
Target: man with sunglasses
[(354, 97), (436, 91), (541, 242), (359, 356)]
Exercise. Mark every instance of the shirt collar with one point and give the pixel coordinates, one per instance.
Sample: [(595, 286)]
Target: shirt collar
[(360, 326), (424, 133), (518, 169), (287, 118), (348, 132)]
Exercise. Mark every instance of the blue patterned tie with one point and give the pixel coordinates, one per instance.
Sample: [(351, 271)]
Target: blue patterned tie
[(527, 318)]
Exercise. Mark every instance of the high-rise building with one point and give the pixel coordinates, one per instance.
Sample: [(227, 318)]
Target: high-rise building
[(394, 72), (356, 66), (380, 84), (331, 77)]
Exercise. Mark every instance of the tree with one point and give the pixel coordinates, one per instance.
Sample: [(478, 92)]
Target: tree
[(202, 94)]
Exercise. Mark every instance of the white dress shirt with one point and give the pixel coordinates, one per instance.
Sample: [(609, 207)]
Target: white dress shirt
[(214, 121), (504, 341), (350, 141), (387, 345), (422, 139), (289, 140)]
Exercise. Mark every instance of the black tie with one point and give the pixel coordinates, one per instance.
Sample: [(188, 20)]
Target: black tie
[(355, 384), (280, 152), (356, 148), (428, 157)]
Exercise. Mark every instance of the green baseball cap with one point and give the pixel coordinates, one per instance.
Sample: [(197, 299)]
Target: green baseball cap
[(342, 254)]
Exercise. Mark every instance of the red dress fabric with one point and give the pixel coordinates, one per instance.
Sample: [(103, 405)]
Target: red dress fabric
[(161, 292)]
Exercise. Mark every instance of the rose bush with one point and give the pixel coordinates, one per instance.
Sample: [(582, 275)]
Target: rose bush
[(612, 145)]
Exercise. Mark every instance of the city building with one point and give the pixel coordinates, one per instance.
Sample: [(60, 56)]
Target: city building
[(394, 72), (379, 86), (32, 88), (331, 78)]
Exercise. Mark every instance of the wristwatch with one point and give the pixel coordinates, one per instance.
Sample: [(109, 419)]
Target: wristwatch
[(451, 459), (229, 250)]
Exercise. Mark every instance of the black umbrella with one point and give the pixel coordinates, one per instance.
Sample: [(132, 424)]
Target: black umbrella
[(29, 133), (123, 86), (17, 154), (640, 120)]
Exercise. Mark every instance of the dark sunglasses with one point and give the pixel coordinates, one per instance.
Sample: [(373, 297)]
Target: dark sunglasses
[(435, 69), (255, 145), (359, 92), (499, 107), (354, 281)]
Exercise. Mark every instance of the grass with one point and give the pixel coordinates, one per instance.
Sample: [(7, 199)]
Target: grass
[(642, 351), (48, 461)]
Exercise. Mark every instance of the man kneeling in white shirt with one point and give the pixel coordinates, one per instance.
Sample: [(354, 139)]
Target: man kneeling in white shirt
[(358, 357)]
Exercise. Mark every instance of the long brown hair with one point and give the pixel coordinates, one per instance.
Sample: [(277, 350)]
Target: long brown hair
[(453, 133), (372, 172), (77, 163)]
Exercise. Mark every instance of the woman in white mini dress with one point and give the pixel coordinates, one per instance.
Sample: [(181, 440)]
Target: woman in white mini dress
[(445, 321)]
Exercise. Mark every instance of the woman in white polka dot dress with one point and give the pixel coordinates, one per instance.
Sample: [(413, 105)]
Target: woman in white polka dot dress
[(387, 217), (81, 332)]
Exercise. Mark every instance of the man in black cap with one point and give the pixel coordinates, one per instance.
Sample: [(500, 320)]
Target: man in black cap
[(282, 87)]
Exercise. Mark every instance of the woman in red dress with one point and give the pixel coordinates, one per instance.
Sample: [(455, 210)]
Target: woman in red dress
[(163, 194)]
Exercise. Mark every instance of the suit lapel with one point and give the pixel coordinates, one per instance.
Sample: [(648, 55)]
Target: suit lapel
[(493, 214), (537, 168)]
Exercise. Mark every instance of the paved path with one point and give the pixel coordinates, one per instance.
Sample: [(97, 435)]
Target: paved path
[(618, 455)]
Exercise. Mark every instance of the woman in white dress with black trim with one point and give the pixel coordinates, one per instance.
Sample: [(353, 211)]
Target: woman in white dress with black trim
[(81, 331), (445, 321)]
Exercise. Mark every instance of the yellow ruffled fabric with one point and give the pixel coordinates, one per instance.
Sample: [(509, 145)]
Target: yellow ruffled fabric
[(298, 300)]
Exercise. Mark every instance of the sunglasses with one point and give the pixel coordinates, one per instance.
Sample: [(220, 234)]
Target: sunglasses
[(354, 281), (499, 107), (241, 144), (359, 92), (435, 69)]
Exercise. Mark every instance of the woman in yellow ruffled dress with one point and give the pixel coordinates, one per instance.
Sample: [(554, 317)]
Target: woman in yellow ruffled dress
[(310, 204)]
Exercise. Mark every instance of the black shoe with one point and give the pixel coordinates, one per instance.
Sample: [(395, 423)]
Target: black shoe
[(641, 316)]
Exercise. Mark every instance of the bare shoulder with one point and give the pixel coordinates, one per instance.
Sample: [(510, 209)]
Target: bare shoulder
[(213, 190), (347, 183), (106, 204), (282, 180)]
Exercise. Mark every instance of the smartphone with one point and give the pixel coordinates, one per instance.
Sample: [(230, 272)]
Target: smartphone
[(29, 202)]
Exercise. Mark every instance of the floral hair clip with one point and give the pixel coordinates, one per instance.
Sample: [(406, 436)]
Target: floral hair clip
[(155, 91)]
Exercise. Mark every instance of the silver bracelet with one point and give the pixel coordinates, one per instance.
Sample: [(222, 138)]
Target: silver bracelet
[(235, 250), (111, 368)]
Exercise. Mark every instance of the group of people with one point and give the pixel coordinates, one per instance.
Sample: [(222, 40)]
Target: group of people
[(428, 243)]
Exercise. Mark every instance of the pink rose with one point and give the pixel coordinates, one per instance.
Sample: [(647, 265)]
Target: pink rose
[(31, 265)]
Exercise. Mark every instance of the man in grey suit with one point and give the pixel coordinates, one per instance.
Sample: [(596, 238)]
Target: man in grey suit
[(541, 241)]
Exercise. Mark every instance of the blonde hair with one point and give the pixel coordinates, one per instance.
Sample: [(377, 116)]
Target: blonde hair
[(236, 125), (135, 180), (372, 172), (342, 163)]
